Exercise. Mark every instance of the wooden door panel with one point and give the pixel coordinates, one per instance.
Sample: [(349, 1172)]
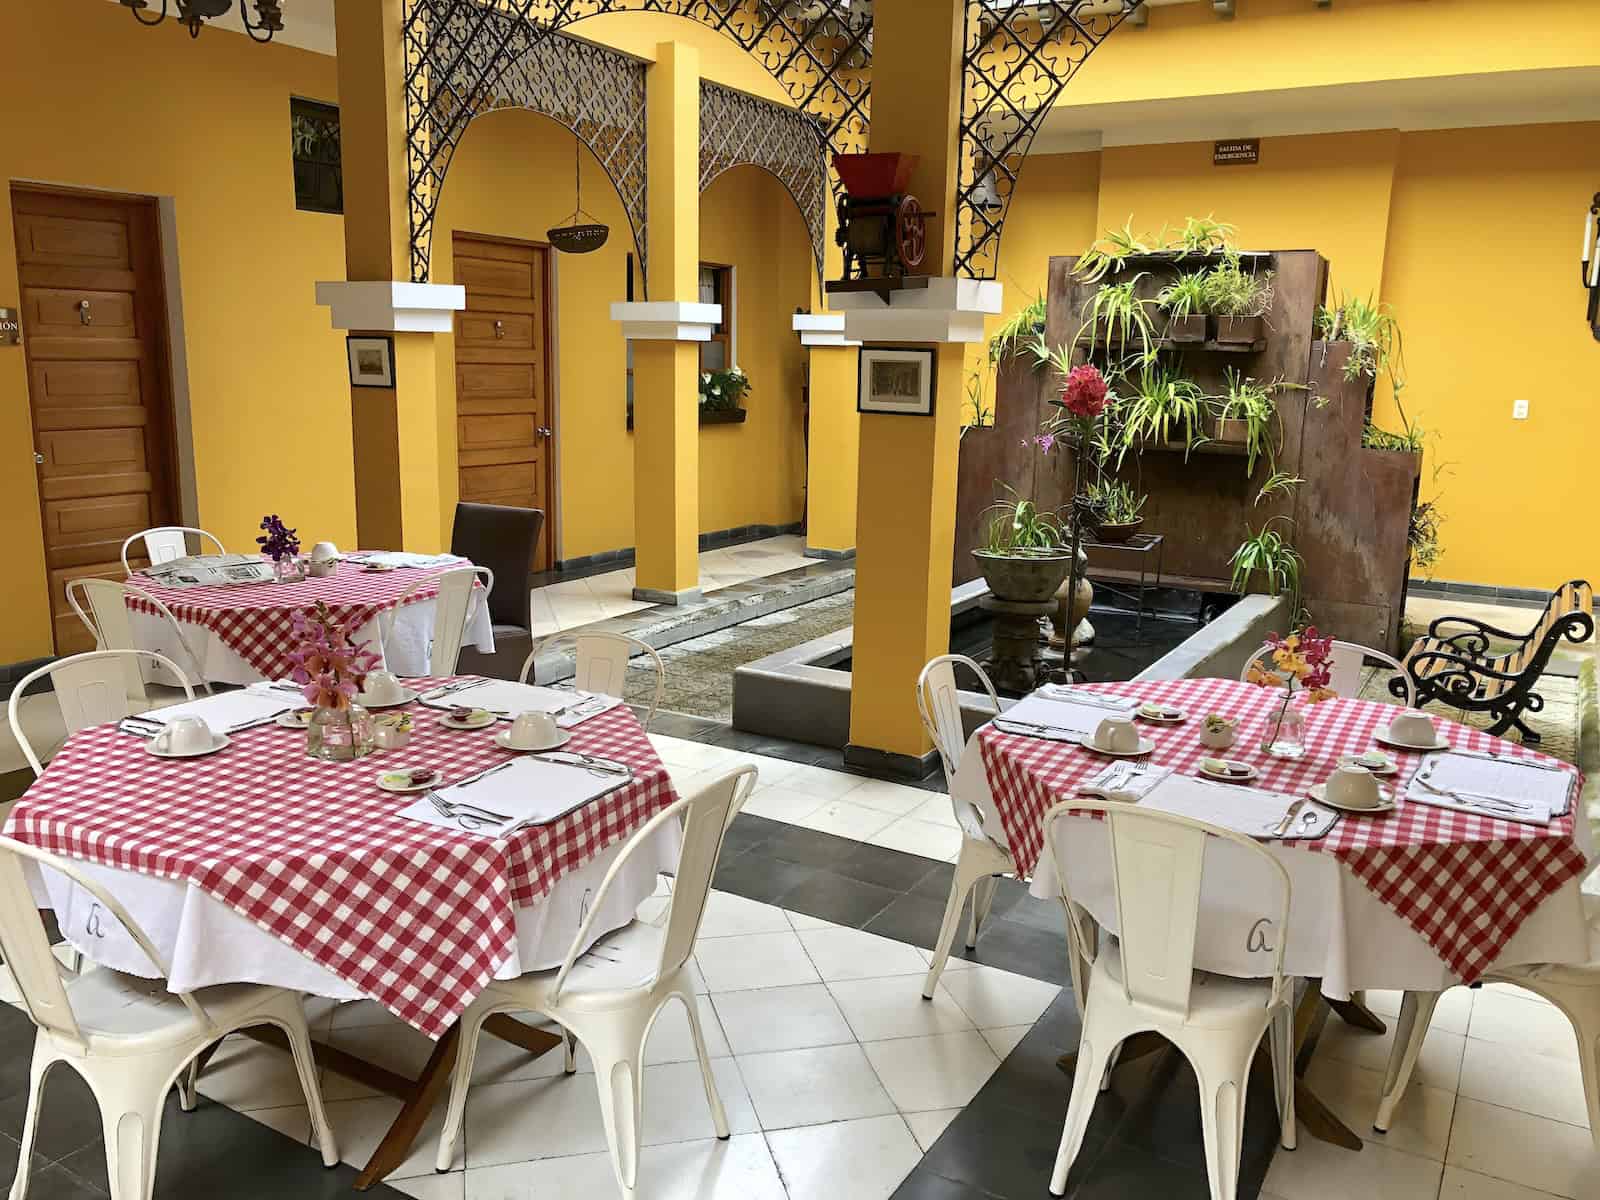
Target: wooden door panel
[(86, 395), (508, 479), (97, 462), (55, 313), (490, 277), (504, 431), (478, 331), (478, 381), (62, 241), (89, 529)]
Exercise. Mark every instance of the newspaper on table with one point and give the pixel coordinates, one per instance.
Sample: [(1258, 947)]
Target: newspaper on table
[(210, 570)]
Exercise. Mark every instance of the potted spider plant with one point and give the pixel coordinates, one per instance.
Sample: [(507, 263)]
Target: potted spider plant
[(1244, 416), (1024, 555), (1237, 301), (1164, 409), (1183, 300), (1116, 316), (1268, 554), (1116, 507)]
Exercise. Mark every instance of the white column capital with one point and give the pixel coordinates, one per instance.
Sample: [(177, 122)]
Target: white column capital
[(666, 320), (390, 306), (947, 309), (822, 329)]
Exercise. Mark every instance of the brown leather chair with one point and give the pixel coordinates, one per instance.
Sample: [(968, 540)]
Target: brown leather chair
[(504, 539)]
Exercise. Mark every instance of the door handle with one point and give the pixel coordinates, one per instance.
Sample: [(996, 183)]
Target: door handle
[(84, 315), (38, 458), (499, 329), (544, 431)]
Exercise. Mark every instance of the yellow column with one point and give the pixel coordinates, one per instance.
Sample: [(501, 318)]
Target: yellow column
[(834, 442), (399, 458), (666, 393), (907, 476)]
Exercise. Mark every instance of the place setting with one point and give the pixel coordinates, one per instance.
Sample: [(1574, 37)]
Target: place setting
[(466, 699), (521, 792), (1063, 714), (195, 728), (1492, 786)]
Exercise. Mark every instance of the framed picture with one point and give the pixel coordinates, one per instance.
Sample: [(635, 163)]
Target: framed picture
[(896, 380), (371, 361)]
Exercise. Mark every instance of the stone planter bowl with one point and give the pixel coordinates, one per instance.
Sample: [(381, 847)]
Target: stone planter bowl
[(1023, 579)]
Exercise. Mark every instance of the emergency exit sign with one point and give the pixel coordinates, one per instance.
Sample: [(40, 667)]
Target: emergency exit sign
[(1238, 152)]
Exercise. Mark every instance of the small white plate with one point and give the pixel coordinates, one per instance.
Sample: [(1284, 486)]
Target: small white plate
[(1386, 801), (292, 719), (1173, 716), (377, 568), (220, 743), (1145, 746), (503, 740), (1230, 777), (1350, 760), (392, 781), (1383, 738), (406, 696), (467, 724)]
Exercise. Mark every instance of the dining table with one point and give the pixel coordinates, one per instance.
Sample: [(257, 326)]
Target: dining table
[(242, 633), (261, 864), (1421, 897)]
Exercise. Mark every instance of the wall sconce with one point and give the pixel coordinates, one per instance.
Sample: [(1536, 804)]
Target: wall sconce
[(1589, 268)]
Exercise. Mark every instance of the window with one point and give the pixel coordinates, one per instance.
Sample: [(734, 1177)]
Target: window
[(716, 287), (314, 137)]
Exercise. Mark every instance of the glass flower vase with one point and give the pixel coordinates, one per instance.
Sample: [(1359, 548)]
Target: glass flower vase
[(1283, 733), (288, 569), (339, 734)]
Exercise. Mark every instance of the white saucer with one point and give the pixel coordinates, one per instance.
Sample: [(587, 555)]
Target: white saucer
[(1383, 738), (404, 788), (1386, 801), (377, 568), (503, 740), (450, 722), (1177, 720), (290, 719), (1145, 746), (219, 744), (406, 696), (1227, 778), (1350, 760)]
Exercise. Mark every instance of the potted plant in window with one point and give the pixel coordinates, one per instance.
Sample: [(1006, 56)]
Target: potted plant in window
[(721, 395)]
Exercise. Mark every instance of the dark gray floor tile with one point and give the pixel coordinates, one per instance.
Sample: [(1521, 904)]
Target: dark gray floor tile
[(54, 1183), (1027, 951), (889, 868), (1005, 1152), (830, 897), (1123, 1172), (913, 919), (756, 875), (810, 848), (925, 1185)]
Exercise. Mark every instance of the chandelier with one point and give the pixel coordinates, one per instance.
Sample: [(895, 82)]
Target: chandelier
[(195, 13)]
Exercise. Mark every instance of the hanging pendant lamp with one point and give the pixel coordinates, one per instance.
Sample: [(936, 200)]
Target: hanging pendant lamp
[(578, 236)]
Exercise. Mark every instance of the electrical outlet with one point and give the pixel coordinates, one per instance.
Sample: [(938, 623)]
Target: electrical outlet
[(1519, 410)]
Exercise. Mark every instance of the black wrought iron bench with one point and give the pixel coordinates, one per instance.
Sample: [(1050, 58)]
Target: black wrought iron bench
[(1452, 664)]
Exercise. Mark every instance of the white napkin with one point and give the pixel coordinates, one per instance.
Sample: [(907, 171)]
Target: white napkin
[(1251, 811), (1039, 716), (502, 697), (527, 791), (1126, 782), (402, 558), (590, 704), (1487, 782), (1062, 691), (229, 712)]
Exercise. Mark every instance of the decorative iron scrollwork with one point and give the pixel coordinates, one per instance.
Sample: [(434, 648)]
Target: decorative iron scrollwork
[(737, 129), (1018, 56)]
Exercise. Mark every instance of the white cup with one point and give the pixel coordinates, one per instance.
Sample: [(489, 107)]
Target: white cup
[(1118, 734), (534, 731), (390, 737), (322, 568), (1353, 787), (381, 687), (324, 552), (184, 735), (1413, 728)]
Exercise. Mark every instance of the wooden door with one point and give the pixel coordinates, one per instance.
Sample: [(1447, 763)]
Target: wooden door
[(504, 429), (94, 326)]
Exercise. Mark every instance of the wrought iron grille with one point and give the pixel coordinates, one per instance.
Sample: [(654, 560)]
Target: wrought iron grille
[(737, 129), (458, 53), (1018, 56)]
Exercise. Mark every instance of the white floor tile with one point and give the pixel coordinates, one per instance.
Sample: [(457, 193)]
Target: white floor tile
[(1532, 1083), (1421, 1122), (1548, 1156), (359, 1125), (896, 798), (779, 804), (801, 921), (246, 1075), (954, 962), (1004, 1040), (993, 998), (700, 1170), (848, 1160), (790, 1018), (844, 819), (1469, 1185), (671, 1040), (933, 1072), (1439, 1064), (911, 836), (853, 954), (1320, 1171), (772, 770), (757, 960), (727, 915), (1453, 1013), (434, 1187), (927, 1126), (822, 782), (878, 1009), (936, 810), (1521, 1019), (675, 1105), (811, 1087), (293, 1121)]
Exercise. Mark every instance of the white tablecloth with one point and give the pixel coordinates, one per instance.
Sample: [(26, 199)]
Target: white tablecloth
[(1338, 930), (208, 943), (219, 663)]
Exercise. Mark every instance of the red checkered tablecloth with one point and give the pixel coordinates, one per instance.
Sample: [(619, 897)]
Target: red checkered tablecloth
[(1464, 882), (418, 918), (253, 619)]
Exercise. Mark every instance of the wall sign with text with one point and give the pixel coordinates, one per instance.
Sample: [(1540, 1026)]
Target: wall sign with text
[(10, 327), (1236, 153)]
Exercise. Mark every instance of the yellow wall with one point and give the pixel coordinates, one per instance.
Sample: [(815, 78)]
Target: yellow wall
[(106, 104)]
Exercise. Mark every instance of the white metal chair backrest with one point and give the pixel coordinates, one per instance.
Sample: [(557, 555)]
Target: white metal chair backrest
[(91, 689), (706, 816), (167, 542), (601, 664), (1348, 661), (102, 606), (939, 702), (27, 948), (1157, 866), (457, 599)]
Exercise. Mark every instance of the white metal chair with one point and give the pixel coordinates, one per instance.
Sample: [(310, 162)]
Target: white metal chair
[(601, 664), (1143, 979), (128, 1038), (454, 605), (102, 606), (608, 996), (90, 689), (1348, 661), (982, 858), (167, 542)]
